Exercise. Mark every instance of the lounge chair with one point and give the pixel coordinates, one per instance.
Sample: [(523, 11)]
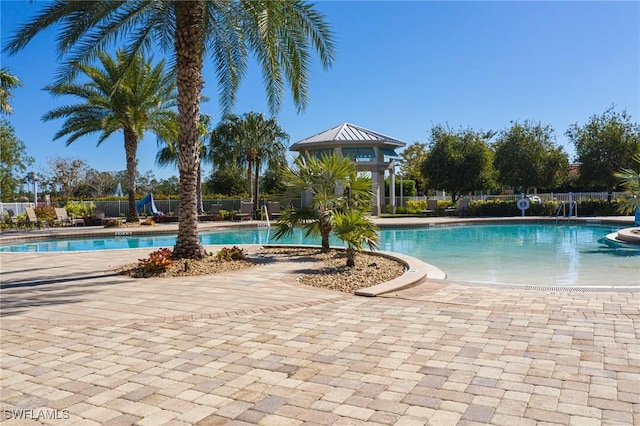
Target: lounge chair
[(432, 208), (11, 220), (461, 208), (214, 211), (246, 211), (62, 218), (32, 219), (273, 208), (98, 215)]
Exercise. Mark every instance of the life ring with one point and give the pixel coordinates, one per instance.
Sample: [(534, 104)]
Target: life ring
[(523, 204)]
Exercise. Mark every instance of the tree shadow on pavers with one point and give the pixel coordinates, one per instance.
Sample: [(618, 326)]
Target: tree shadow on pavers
[(43, 281), (22, 271), (63, 289)]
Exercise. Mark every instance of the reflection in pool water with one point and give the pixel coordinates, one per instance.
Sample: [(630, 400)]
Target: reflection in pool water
[(531, 254)]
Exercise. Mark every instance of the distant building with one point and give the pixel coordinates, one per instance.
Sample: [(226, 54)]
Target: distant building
[(371, 151)]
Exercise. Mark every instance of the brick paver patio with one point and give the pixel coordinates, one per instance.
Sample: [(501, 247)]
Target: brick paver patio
[(84, 346)]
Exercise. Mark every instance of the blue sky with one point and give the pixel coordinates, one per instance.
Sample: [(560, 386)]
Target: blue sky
[(400, 69)]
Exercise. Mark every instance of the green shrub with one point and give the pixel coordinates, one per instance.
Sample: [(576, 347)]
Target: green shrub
[(76, 209), (113, 223), (506, 208), (158, 261), (233, 253), (46, 214), (598, 208), (415, 206)]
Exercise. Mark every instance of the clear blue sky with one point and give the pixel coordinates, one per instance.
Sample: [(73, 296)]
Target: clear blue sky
[(401, 68)]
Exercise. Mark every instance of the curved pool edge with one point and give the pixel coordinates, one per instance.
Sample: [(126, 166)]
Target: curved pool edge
[(416, 271)]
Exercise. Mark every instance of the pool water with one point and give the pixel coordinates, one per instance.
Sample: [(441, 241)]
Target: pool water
[(532, 254)]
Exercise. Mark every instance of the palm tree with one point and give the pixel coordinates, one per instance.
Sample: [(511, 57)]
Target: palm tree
[(333, 185), (126, 94), (279, 34), (168, 154), (630, 181), (8, 82), (251, 140), (355, 229)]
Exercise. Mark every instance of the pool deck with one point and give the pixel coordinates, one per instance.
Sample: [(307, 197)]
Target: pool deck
[(86, 346)]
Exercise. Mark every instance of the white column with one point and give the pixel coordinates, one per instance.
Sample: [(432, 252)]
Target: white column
[(392, 189), (375, 183)]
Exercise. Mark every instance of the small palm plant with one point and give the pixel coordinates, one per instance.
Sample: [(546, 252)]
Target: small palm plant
[(339, 202), (355, 229), (333, 185), (630, 180)]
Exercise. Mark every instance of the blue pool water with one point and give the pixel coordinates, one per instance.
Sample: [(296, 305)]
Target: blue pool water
[(531, 254)]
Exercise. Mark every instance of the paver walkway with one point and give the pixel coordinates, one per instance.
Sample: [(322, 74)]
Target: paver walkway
[(86, 347)]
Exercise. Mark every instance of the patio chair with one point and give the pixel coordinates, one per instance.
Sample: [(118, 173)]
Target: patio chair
[(32, 219), (98, 215), (273, 208), (246, 211), (62, 218), (432, 208), (10, 220), (214, 211), (461, 208)]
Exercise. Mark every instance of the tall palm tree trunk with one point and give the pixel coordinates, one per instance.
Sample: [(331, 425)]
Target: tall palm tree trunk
[(325, 230), (199, 189), (189, 49), (256, 185), (250, 178), (131, 148)]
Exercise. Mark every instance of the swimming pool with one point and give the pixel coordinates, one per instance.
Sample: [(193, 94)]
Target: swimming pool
[(532, 254)]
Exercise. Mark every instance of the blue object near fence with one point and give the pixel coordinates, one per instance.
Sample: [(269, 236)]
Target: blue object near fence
[(148, 199)]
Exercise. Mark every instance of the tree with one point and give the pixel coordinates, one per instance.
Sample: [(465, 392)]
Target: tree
[(334, 186), (630, 181), (278, 33), (127, 95), (527, 157), (605, 144), (231, 180), (168, 154), (271, 182), (412, 158), (14, 161), (169, 186), (8, 82), (66, 174), (458, 162), (355, 229), (251, 140), (97, 184)]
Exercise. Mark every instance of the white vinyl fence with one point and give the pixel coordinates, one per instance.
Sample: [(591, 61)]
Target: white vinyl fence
[(119, 208)]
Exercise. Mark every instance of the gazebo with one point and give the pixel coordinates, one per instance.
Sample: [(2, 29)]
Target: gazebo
[(371, 151)]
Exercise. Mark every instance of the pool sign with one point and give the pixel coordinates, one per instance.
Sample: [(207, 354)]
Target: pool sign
[(523, 204)]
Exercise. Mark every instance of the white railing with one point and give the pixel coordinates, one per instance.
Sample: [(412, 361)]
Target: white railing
[(547, 196), (16, 207)]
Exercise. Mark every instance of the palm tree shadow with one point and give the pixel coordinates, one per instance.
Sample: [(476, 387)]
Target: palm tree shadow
[(21, 271), (20, 295)]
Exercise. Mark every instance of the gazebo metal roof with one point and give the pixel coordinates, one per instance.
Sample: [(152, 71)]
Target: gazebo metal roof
[(347, 134)]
